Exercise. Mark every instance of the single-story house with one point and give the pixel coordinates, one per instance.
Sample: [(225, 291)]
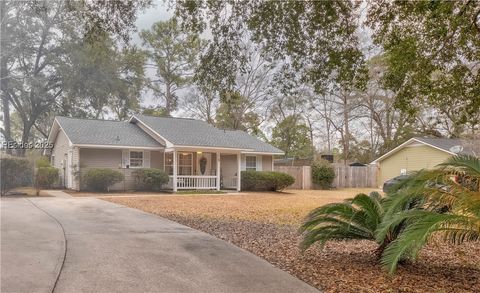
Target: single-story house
[(421, 153), (195, 154)]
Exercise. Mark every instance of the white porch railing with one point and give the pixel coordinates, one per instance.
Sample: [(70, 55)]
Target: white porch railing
[(194, 182)]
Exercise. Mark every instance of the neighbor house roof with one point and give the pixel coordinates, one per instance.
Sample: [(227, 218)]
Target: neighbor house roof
[(448, 145), (191, 132), (105, 132), (467, 147)]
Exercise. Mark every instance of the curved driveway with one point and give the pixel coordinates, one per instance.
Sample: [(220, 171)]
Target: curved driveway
[(112, 248)]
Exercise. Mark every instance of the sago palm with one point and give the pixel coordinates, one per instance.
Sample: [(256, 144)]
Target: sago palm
[(442, 201), (356, 218)]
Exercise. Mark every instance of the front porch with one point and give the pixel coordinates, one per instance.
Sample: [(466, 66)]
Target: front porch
[(202, 169), (187, 168)]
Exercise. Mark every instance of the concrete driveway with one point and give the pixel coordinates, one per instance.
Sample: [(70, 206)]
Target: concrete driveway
[(90, 245)]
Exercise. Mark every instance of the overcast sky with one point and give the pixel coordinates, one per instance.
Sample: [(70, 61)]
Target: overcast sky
[(158, 12)]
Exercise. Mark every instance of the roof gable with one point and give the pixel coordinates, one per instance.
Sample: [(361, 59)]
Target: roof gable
[(442, 144), (105, 132)]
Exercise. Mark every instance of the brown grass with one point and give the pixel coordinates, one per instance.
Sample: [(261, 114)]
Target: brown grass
[(266, 224), (266, 207)]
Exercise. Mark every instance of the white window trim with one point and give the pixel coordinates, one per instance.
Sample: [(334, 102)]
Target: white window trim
[(130, 159), (247, 168)]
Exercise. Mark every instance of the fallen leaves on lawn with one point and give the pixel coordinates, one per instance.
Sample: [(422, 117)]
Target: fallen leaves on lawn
[(265, 225), (266, 207)]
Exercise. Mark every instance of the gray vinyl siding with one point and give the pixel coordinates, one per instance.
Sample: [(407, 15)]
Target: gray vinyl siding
[(59, 154), (267, 163), (75, 166), (91, 158), (105, 158), (156, 160)]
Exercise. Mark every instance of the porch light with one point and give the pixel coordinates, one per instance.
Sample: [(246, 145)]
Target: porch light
[(199, 153)]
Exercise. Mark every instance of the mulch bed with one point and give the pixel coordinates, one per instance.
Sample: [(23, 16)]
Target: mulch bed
[(348, 266)]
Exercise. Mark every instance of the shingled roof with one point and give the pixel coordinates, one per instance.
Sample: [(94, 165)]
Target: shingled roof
[(448, 145), (177, 131), (191, 132), (468, 147), (105, 132)]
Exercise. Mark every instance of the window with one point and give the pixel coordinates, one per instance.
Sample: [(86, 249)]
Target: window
[(169, 163), (251, 163), (136, 159), (185, 164)]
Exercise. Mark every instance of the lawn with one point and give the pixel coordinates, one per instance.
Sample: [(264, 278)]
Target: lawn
[(266, 224)]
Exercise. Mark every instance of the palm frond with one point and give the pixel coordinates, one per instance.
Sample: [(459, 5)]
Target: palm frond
[(421, 225), (355, 218), (468, 164), (412, 238)]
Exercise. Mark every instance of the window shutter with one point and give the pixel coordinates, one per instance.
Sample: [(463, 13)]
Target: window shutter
[(259, 163), (125, 158), (146, 159), (243, 163)]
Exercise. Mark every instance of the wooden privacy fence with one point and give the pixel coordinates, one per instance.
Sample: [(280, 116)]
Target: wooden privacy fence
[(345, 176), (302, 175), (348, 176)]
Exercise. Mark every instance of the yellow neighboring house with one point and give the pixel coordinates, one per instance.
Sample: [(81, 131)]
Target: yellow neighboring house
[(421, 153)]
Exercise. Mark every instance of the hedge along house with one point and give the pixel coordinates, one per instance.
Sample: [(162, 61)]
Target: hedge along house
[(421, 153), (195, 154)]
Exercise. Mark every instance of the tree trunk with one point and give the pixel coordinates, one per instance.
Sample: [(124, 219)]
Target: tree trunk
[(346, 139), (27, 128), (168, 99), (4, 79)]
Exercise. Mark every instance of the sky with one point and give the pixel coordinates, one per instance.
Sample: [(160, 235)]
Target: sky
[(158, 12)]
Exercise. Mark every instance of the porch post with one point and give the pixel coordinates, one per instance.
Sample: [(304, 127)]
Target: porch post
[(218, 170), (175, 170), (239, 171)]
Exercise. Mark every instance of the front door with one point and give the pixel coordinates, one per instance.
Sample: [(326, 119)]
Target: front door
[(228, 171)]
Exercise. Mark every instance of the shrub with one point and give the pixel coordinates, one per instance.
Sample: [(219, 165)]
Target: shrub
[(42, 162), (280, 180), (323, 175), (150, 179), (266, 180), (14, 173), (46, 177), (101, 179)]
